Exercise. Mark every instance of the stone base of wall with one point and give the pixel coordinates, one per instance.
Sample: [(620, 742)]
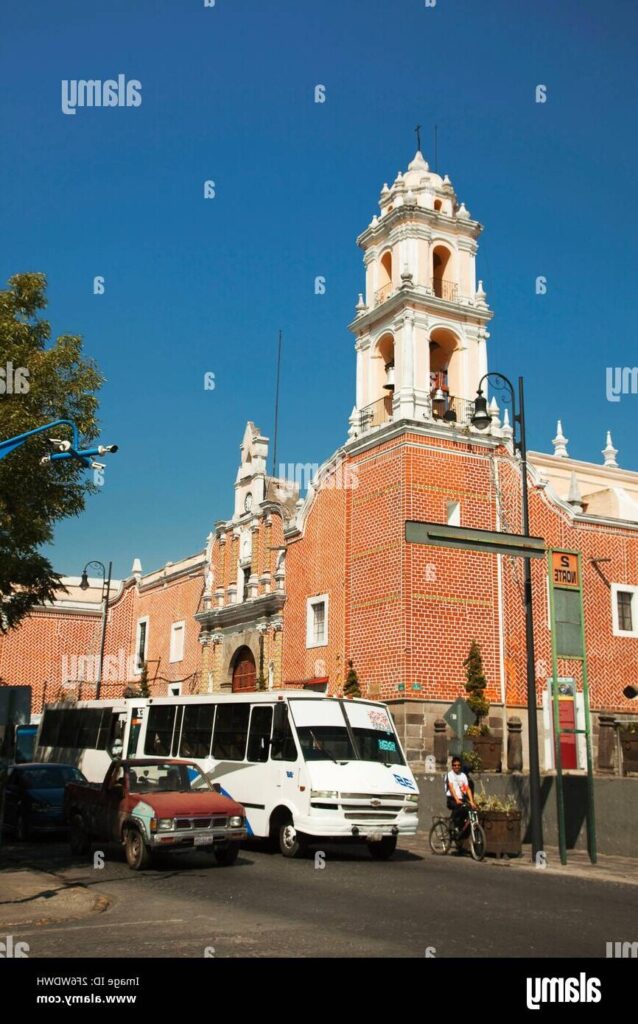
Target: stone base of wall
[(414, 720)]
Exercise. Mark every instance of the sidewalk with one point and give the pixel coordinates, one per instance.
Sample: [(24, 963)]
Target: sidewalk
[(623, 870), (30, 897)]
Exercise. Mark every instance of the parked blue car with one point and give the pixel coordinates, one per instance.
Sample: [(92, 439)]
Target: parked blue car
[(34, 798)]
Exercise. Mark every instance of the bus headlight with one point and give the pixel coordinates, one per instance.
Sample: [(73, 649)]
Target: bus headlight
[(236, 822), (324, 794), (165, 825)]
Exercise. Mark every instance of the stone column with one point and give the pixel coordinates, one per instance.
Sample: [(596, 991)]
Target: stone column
[(606, 743), (440, 742), (514, 744)]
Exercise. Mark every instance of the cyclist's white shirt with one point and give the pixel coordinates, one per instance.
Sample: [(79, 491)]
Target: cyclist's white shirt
[(456, 785)]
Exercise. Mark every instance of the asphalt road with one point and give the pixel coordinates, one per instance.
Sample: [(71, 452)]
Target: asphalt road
[(268, 906)]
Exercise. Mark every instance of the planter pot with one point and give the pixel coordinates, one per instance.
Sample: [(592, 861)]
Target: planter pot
[(489, 749), (629, 744), (502, 832)]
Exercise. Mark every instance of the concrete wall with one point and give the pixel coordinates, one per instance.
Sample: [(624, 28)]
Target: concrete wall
[(615, 802)]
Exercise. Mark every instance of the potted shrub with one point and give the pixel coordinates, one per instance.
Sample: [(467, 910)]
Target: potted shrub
[(487, 746), (628, 733), (501, 821)]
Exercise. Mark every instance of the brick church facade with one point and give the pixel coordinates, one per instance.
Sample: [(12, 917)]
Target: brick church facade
[(291, 588)]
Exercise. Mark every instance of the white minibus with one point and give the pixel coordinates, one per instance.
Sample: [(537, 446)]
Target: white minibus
[(306, 767)]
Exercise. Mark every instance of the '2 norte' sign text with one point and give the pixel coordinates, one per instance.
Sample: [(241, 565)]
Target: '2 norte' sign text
[(565, 570)]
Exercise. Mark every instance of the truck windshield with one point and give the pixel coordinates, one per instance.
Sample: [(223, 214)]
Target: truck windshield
[(50, 776), (166, 778)]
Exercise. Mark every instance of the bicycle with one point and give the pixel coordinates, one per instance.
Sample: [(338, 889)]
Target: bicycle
[(443, 836)]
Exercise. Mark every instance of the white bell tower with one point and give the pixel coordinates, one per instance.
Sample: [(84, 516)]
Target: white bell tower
[(421, 329)]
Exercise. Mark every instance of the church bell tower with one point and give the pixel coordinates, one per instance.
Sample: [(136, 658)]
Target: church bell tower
[(421, 328)]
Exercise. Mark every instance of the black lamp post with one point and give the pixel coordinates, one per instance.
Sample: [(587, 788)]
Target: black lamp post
[(106, 587), (482, 419)]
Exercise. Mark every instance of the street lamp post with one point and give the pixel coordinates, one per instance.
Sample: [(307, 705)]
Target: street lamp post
[(106, 587), (482, 419)]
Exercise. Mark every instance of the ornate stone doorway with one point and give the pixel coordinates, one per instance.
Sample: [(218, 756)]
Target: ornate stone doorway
[(244, 671)]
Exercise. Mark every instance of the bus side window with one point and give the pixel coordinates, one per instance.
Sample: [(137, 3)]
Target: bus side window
[(259, 736), (159, 730), (136, 725), (283, 741)]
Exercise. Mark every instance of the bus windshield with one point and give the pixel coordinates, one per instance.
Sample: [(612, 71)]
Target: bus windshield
[(343, 730)]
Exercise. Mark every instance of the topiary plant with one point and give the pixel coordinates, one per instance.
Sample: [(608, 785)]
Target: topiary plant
[(476, 683), (351, 686)]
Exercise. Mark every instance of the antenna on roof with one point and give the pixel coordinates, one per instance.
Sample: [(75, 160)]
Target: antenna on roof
[(418, 138), (274, 442)]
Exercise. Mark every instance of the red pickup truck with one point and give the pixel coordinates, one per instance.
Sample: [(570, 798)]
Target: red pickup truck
[(153, 805)]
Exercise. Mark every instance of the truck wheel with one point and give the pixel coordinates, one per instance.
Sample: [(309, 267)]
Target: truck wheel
[(291, 842), (226, 854), (79, 840), (138, 855), (384, 848)]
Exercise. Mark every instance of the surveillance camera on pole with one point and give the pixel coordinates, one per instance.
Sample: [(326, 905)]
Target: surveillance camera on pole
[(104, 449)]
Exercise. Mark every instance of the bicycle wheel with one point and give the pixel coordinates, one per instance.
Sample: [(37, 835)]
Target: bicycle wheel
[(440, 841), (477, 841)]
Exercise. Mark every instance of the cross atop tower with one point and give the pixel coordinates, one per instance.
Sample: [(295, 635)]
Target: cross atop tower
[(418, 138)]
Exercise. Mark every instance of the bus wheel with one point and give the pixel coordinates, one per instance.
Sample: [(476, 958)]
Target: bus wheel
[(291, 842), (137, 853), (78, 839), (384, 848)]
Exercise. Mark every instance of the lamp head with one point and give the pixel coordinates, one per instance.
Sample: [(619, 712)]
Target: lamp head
[(481, 418)]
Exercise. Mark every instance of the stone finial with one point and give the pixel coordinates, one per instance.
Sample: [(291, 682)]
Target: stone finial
[(360, 307), (508, 430), (480, 296), (560, 443), (463, 213), (385, 189), (610, 453), (495, 413), (574, 496), (136, 568), (374, 221), (407, 278)]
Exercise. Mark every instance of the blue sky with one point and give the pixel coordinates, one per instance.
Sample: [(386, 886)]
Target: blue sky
[(195, 286)]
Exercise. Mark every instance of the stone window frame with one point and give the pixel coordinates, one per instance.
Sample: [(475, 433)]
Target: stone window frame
[(311, 602), (626, 588)]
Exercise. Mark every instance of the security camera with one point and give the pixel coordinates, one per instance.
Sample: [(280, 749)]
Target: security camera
[(98, 465), (631, 692), (45, 459), (104, 448), (62, 446)]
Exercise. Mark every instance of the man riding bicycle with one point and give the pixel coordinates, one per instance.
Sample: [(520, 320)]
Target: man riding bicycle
[(459, 794)]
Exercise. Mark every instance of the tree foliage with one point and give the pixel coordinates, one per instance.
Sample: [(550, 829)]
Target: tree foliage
[(33, 498)]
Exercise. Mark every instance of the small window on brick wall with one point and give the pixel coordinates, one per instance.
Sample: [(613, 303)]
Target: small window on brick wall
[(177, 641), (454, 513), (624, 609), (317, 621)]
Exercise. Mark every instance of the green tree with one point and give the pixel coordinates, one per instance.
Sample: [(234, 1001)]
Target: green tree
[(476, 682), (145, 690), (351, 686), (60, 384)]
